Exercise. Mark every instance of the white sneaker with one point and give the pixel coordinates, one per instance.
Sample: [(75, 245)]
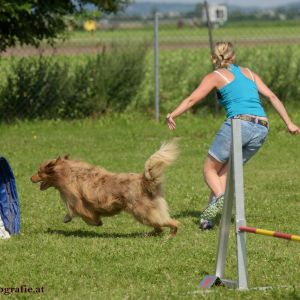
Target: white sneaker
[(4, 235)]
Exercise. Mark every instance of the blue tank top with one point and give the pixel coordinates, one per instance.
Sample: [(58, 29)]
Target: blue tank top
[(240, 96)]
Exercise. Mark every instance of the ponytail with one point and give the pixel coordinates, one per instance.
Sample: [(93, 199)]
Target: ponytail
[(223, 55)]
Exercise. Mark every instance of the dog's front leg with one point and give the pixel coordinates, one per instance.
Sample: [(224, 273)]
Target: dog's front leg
[(87, 214), (67, 218), (70, 215), (95, 221)]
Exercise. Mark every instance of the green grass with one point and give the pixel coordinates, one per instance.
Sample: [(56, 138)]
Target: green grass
[(75, 261)]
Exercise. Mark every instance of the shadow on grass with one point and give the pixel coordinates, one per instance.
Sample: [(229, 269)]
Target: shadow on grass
[(91, 234), (195, 214), (187, 213)]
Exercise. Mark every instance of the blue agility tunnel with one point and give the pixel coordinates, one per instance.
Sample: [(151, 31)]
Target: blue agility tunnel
[(9, 203)]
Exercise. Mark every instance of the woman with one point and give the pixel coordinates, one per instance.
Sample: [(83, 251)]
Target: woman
[(238, 91)]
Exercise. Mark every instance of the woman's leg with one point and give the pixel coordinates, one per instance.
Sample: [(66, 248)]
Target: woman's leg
[(223, 177), (215, 174)]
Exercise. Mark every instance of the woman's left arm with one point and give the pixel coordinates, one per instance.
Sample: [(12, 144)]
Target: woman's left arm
[(277, 104), (206, 85)]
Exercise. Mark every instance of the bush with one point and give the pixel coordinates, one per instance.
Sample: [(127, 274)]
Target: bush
[(35, 87), (46, 87), (106, 82)]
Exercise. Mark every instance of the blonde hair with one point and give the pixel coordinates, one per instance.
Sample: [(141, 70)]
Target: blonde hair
[(223, 55)]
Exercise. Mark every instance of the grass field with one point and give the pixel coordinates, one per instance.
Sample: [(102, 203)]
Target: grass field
[(75, 261)]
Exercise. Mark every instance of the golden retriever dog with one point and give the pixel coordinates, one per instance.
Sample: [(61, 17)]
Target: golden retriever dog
[(92, 192)]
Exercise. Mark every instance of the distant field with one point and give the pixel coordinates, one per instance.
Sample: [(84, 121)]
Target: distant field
[(244, 33), (171, 34)]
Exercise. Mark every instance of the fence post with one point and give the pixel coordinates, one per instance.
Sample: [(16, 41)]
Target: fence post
[(210, 37), (211, 45), (156, 67)]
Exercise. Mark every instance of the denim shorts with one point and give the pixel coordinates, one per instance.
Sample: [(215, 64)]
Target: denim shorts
[(253, 136)]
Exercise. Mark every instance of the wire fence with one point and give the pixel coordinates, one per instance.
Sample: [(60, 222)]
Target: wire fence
[(173, 35), (170, 69)]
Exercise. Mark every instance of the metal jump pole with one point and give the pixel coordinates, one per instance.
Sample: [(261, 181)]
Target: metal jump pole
[(234, 195)]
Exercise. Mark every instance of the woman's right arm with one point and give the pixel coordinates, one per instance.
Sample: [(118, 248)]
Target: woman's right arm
[(277, 104), (207, 84)]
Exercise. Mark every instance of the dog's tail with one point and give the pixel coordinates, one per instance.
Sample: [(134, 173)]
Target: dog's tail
[(157, 162)]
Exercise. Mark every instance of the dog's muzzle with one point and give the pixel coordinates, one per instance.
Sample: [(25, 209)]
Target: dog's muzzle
[(36, 179)]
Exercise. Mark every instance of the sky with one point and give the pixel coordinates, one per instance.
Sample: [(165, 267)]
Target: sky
[(259, 3)]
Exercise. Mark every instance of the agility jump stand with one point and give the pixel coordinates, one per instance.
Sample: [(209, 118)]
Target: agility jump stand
[(235, 195)]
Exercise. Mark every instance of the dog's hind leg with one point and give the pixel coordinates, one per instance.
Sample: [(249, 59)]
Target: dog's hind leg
[(173, 225), (160, 216), (149, 218), (155, 213)]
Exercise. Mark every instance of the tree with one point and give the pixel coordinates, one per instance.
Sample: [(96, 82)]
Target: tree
[(31, 21)]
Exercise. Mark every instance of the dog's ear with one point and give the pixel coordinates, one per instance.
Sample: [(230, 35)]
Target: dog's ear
[(50, 166), (57, 161), (60, 158)]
